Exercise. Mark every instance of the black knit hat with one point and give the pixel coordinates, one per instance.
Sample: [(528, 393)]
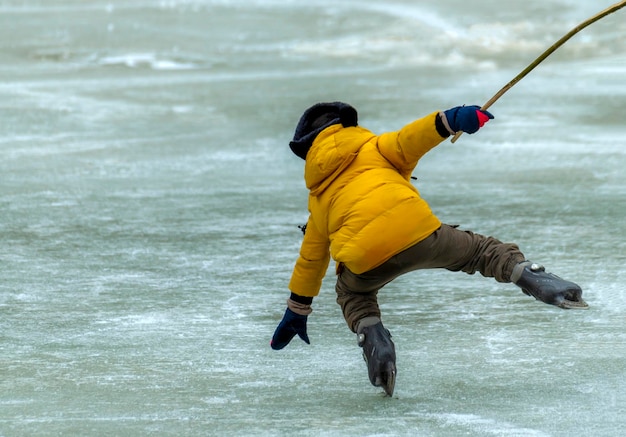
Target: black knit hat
[(317, 118)]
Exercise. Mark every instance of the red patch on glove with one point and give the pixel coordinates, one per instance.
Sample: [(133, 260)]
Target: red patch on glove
[(482, 118)]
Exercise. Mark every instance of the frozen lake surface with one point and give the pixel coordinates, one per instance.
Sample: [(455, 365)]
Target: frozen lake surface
[(149, 212)]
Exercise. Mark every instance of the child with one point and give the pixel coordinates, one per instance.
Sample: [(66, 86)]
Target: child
[(366, 214)]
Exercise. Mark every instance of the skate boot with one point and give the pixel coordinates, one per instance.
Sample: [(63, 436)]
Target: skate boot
[(379, 353), (533, 279)]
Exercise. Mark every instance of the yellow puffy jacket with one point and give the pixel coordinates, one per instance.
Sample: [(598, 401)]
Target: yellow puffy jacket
[(362, 207)]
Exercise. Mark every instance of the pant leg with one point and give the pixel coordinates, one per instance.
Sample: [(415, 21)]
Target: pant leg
[(447, 248), (457, 250), (357, 295)]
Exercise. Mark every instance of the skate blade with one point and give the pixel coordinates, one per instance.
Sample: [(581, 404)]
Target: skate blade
[(390, 382), (573, 305)]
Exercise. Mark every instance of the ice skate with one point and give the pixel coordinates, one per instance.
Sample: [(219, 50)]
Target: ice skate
[(533, 279), (379, 353)]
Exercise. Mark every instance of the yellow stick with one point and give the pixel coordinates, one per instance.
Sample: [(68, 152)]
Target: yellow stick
[(547, 53)]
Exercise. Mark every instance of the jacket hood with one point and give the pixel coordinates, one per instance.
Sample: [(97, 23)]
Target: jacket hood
[(332, 151)]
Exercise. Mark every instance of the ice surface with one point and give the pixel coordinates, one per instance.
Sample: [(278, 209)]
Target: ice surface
[(149, 212)]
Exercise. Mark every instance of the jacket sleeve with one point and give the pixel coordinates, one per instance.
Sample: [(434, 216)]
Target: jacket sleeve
[(405, 147), (311, 266)]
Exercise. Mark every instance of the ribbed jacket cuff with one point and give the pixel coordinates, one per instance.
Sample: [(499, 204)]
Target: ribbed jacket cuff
[(443, 128), (300, 304)]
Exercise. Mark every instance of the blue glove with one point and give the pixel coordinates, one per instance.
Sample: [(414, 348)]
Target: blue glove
[(465, 118), (287, 329)]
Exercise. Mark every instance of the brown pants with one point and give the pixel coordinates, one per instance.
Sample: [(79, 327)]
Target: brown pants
[(447, 248)]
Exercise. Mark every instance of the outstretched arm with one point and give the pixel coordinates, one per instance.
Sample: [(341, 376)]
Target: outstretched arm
[(305, 284), (405, 147)]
